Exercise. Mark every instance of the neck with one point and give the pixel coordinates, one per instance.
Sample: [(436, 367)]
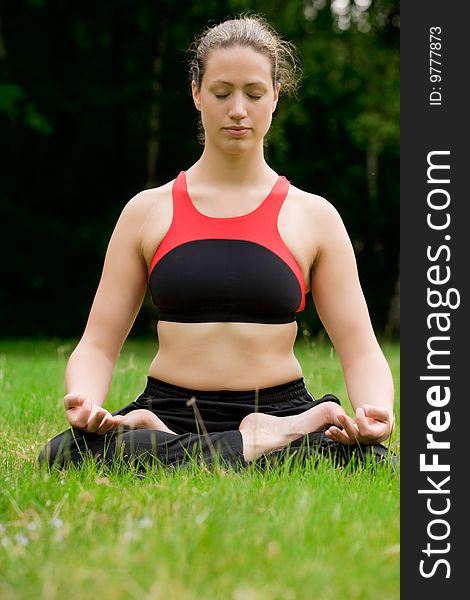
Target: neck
[(232, 168)]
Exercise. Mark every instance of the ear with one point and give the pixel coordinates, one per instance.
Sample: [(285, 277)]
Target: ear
[(196, 93), (277, 91)]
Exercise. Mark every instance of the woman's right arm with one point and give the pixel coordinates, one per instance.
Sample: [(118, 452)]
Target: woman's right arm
[(117, 301)]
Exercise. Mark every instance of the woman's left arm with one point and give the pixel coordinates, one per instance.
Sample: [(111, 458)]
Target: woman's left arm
[(342, 308)]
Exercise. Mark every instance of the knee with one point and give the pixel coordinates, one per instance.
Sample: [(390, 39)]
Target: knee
[(47, 456), (57, 452)]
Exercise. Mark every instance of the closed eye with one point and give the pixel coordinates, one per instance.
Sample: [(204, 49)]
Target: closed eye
[(251, 96)]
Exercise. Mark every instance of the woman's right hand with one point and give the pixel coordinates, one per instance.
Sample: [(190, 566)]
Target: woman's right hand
[(83, 414)]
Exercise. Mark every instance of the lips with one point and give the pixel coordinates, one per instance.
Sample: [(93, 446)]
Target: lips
[(237, 131)]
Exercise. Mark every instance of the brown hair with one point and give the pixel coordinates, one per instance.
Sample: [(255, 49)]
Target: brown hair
[(254, 32)]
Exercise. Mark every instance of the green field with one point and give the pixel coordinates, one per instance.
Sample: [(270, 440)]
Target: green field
[(281, 533)]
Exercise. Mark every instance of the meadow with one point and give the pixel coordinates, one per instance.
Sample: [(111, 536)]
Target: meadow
[(282, 532)]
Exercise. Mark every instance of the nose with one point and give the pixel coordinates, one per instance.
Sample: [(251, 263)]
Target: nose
[(237, 108)]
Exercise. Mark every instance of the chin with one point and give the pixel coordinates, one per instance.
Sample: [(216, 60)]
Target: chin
[(233, 147), (237, 149)]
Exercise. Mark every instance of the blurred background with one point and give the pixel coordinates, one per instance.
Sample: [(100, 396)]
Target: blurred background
[(95, 106)]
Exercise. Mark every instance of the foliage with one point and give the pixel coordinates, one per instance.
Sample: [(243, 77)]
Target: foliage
[(95, 106)]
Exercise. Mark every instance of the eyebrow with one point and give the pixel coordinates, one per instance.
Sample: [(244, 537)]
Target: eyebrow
[(228, 83)]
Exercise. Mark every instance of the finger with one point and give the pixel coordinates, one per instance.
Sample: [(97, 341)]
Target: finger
[(95, 419), (373, 428), (361, 421), (367, 427), (376, 412), (107, 424), (349, 427), (79, 419), (330, 434), (338, 435), (73, 400)]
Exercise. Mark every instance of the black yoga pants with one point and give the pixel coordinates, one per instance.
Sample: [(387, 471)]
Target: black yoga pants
[(206, 426)]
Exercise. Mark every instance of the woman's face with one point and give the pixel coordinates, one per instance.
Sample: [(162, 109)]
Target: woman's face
[(237, 98)]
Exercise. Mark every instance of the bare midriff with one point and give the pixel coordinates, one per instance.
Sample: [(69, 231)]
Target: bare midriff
[(226, 356)]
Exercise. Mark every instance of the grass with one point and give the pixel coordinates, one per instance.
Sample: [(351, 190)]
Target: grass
[(280, 533)]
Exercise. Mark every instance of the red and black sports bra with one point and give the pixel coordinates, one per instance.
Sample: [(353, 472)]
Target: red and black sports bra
[(220, 269)]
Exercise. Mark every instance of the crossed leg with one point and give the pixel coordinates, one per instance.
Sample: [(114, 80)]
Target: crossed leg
[(261, 433)]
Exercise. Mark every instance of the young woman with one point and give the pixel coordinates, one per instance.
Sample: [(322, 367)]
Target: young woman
[(229, 249)]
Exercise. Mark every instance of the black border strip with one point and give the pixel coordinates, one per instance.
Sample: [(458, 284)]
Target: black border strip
[(434, 250)]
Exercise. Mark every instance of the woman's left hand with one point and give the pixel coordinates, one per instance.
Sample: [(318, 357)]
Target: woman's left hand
[(372, 425)]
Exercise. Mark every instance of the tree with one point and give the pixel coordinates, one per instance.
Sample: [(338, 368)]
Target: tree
[(95, 105)]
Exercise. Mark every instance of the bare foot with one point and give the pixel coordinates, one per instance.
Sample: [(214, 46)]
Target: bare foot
[(142, 419), (263, 433)]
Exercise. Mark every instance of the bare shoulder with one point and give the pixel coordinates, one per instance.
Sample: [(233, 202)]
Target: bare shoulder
[(148, 201), (146, 218), (317, 210), (143, 210)]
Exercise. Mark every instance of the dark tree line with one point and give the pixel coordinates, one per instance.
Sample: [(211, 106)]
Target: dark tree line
[(95, 106)]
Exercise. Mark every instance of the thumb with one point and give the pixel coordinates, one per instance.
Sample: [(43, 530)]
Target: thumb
[(79, 417), (73, 400), (360, 414), (378, 413)]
